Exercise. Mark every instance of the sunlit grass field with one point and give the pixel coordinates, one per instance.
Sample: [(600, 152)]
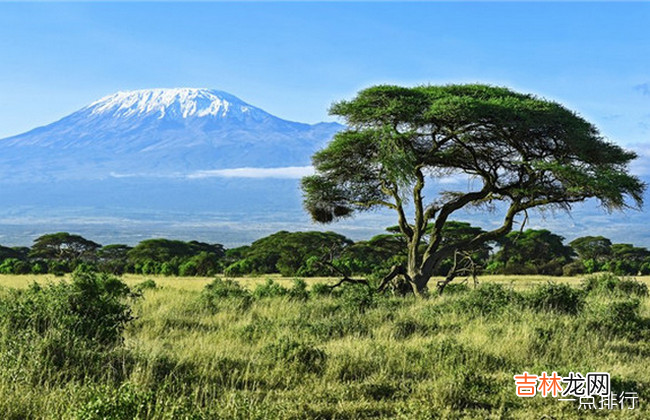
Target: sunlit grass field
[(336, 357), (197, 283)]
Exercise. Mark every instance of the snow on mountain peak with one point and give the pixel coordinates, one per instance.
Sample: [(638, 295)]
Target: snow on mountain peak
[(179, 102)]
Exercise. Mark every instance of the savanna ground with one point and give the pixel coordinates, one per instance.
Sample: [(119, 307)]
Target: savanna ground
[(262, 351)]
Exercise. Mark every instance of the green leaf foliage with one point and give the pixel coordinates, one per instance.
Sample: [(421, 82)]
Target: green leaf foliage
[(524, 148)]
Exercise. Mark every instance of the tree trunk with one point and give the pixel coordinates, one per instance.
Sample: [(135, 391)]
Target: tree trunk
[(419, 284)]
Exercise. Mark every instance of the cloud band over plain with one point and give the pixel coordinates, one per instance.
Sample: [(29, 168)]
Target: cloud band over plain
[(289, 172)]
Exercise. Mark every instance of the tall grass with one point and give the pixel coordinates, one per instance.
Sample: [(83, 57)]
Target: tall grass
[(275, 351)]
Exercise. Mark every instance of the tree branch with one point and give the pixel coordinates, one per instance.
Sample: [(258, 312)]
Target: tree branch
[(445, 211), (404, 226), (432, 259), (395, 271)]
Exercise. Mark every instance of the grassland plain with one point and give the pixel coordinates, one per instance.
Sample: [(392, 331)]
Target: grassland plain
[(261, 351)]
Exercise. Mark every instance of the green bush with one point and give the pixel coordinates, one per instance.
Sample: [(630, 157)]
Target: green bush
[(222, 291), (219, 288), (633, 287), (321, 289), (125, 402), (357, 297), (298, 290), (610, 284), (66, 331), (14, 266), (454, 288), (558, 297), (269, 289), (145, 285), (617, 317), (488, 298), (93, 306), (39, 267)]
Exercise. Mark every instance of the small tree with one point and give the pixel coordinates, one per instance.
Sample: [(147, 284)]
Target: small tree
[(518, 149), (593, 251)]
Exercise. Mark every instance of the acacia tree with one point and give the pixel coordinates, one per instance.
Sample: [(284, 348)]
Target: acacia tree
[(596, 248), (518, 149), (532, 252), (63, 247)]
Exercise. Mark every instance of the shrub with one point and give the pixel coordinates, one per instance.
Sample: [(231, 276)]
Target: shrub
[(454, 288), (486, 299), (221, 291), (609, 284), (91, 307), (66, 331), (14, 266), (58, 268), (633, 287), (357, 297), (298, 290), (97, 302), (618, 317), (557, 297), (168, 269), (495, 267), (321, 289), (219, 288), (269, 289), (600, 283), (126, 402), (239, 268), (39, 267), (145, 285)]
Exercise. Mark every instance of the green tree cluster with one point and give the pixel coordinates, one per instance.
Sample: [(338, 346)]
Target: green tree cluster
[(311, 254), (62, 252), (597, 253), (290, 254)]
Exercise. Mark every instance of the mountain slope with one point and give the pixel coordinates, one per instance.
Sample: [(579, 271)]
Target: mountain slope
[(160, 133)]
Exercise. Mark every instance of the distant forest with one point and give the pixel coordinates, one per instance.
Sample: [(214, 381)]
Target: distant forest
[(307, 254)]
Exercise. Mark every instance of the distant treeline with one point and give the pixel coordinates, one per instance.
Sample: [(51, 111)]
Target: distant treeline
[(308, 254)]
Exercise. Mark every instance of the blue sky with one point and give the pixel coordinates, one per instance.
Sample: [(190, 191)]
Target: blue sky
[(295, 59)]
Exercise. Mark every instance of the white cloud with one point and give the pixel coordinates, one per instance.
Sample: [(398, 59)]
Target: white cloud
[(453, 179), (289, 172), (641, 165)]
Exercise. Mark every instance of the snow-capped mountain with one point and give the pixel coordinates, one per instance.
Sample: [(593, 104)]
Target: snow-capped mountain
[(160, 133), (174, 103)]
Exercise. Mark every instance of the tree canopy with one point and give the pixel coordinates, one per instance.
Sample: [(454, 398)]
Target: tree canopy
[(517, 149), (592, 247), (533, 252), (172, 257), (63, 247), (290, 254)]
